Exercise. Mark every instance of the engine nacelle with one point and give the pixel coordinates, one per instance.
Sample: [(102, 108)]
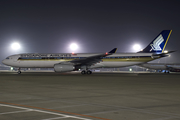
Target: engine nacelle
[(63, 68)]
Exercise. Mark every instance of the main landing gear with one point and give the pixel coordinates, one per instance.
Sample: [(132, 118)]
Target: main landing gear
[(166, 71), (19, 71), (86, 72)]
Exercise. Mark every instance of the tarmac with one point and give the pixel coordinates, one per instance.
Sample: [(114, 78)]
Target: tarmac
[(100, 96)]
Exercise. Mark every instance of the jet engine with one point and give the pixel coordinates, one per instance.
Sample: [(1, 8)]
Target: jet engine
[(63, 68)]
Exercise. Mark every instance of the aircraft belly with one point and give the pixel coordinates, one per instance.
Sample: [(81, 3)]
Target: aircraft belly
[(50, 64)]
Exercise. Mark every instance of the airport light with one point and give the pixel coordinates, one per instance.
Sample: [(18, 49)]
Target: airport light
[(137, 47), (73, 46), (15, 46)]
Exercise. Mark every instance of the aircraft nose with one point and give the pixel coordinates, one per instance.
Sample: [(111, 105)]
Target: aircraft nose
[(4, 61)]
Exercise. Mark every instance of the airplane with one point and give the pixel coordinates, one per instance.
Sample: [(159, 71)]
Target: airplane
[(166, 67), (66, 62)]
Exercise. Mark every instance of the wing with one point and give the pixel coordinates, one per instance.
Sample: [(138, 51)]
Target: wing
[(88, 61), (92, 59)]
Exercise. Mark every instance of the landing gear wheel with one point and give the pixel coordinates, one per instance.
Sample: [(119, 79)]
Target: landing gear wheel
[(83, 72), (89, 72), (19, 72)]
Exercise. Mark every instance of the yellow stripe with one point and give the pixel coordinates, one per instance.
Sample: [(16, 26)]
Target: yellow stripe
[(115, 51), (166, 41), (141, 59)]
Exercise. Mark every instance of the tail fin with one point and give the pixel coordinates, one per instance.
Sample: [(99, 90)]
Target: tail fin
[(113, 51), (159, 43)]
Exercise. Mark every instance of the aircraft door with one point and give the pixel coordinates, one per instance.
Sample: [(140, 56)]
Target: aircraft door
[(15, 59)]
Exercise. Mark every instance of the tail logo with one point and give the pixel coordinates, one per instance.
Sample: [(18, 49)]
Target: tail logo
[(156, 44)]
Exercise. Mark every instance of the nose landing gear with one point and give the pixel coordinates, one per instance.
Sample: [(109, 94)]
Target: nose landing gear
[(19, 71)]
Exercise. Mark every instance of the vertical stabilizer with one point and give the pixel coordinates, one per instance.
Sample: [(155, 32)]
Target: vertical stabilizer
[(159, 43)]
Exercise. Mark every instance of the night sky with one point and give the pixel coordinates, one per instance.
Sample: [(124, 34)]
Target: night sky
[(49, 26)]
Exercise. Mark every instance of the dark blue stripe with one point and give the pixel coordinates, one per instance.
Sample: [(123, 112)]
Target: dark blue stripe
[(34, 58)]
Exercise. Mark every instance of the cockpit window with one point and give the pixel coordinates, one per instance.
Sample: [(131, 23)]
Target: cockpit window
[(7, 58)]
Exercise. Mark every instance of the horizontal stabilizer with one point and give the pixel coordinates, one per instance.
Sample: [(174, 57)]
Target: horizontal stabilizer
[(154, 55)]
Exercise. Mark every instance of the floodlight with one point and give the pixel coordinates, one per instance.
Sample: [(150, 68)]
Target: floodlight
[(73, 46), (15, 46), (137, 47)]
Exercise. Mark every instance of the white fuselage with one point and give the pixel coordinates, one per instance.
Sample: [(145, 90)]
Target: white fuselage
[(35, 60)]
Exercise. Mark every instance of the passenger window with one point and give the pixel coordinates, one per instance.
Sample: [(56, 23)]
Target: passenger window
[(7, 58)]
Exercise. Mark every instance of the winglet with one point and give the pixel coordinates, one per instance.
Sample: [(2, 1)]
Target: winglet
[(113, 51)]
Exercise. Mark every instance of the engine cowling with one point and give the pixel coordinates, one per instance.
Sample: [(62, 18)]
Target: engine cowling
[(63, 68)]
